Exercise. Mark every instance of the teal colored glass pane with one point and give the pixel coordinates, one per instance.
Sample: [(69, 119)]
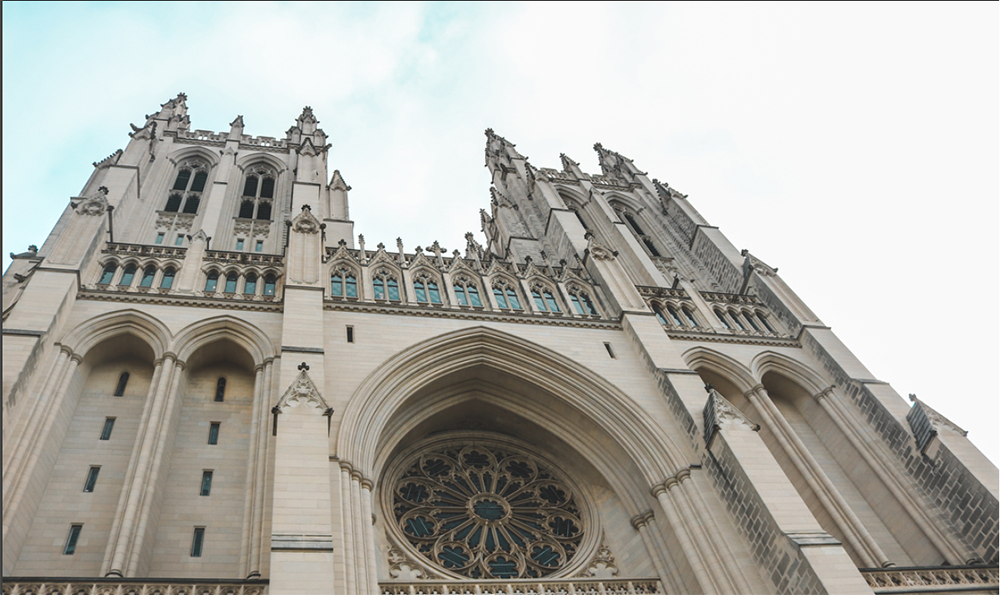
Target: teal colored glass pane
[(352, 286), (419, 526), (590, 305), (501, 567), (498, 294), (418, 289), (474, 296), (379, 289), (460, 295), (551, 301), (577, 304), (435, 294), (393, 290), (512, 297), (453, 557), (231, 283), (127, 276), (108, 274), (488, 509), (336, 286), (545, 556), (539, 302)]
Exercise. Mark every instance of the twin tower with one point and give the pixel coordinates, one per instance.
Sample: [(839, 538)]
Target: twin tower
[(211, 385)]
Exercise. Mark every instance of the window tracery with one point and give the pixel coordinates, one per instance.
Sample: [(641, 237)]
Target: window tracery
[(386, 286), (425, 289), (505, 295), (545, 299), (582, 302), (343, 283), (258, 193), (487, 512), (192, 175), (467, 292), (640, 234)]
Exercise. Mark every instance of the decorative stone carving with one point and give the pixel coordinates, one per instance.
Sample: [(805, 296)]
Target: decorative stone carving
[(598, 250), (402, 568), (602, 566), (305, 222), (302, 393), (96, 205), (200, 236), (719, 411)]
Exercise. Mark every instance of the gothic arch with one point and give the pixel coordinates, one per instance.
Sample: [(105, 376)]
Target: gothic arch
[(386, 389), (737, 373), (179, 156), (254, 158), (770, 361), (249, 337), (96, 330)]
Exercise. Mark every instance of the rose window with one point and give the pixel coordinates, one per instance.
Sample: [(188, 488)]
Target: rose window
[(487, 512)]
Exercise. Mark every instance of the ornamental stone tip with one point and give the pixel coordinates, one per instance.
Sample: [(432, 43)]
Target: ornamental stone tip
[(913, 398), (709, 388), (304, 366)]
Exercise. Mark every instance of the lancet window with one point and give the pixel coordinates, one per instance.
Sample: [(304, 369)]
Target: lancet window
[(675, 315), (467, 292), (637, 230), (425, 289), (386, 286), (505, 295), (258, 193), (343, 283), (192, 175)]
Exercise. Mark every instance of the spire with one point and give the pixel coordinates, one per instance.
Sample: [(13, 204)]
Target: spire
[(306, 122), (615, 165), (174, 111), (236, 128), (499, 150)]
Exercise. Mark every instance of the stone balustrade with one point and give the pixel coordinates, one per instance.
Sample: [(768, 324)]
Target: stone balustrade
[(935, 579), (527, 587), (70, 586)]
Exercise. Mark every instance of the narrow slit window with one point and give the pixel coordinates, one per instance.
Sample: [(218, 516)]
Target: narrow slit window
[(763, 320), (159, 237), (690, 317), (239, 243), (197, 541), (109, 426), (180, 240), (122, 383), (213, 433), (611, 352), (350, 334), (260, 246), (88, 486), (71, 539), (108, 274), (723, 320), (206, 483), (220, 390)]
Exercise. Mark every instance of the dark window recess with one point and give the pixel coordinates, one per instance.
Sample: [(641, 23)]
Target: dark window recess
[(147, 277), (610, 351), (264, 211), (173, 203), (122, 382), (269, 282), (88, 486), (250, 187), (71, 539), (213, 433), (220, 390), (191, 206), (109, 425), (206, 483), (651, 247), (350, 334), (212, 282), (108, 274), (197, 541), (231, 283), (267, 188), (168, 279), (246, 209), (181, 183), (199, 181)]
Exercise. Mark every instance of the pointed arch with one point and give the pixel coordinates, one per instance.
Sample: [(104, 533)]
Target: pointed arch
[(244, 334), (181, 155), (772, 361), (387, 388), (98, 329), (737, 373), (251, 159)]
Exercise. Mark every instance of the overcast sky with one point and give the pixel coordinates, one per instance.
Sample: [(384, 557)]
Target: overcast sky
[(853, 146)]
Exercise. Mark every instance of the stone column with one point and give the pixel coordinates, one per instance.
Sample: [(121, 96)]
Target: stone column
[(787, 542), (123, 530), (839, 510), (639, 523), (246, 561), (360, 548), (367, 519), (347, 529), (691, 552), (259, 457)]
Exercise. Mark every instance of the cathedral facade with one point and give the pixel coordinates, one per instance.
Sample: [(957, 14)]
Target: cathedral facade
[(211, 385)]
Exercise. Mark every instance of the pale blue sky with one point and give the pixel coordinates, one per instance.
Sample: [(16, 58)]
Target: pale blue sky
[(854, 147)]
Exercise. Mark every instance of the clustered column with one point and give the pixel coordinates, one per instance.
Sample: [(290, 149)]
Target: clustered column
[(253, 512)]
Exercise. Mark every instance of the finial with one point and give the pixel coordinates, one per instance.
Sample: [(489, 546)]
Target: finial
[(913, 397), (709, 388), (304, 207), (304, 366), (32, 248)]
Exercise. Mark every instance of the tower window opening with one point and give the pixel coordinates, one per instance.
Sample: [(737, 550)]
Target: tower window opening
[(108, 274), (191, 204), (168, 278), (250, 284), (212, 282), (736, 319), (181, 182), (71, 539), (127, 276), (173, 203), (180, 240), (673, 315), (749, 318), (763, 320), (250, 186), (198, 184), (220, 390), (231, 280), (690, 317), (122, 383), (264, 211), (91, 483), (269, 284), (147, 277), (258, 192), (722, 319), (350, 334), (239, 243), (246, 209), (386, 287), (213, 433), (611, 352), (159, 237), (467, 293)]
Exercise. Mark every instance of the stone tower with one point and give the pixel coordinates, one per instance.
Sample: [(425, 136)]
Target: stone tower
[(209, 382)]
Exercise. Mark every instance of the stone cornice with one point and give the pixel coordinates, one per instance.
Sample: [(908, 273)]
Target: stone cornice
[(406, 310), (737, 339), (178, 300)]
